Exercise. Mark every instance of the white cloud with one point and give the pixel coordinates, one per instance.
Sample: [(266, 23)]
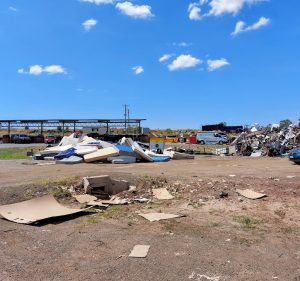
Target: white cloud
[(165, 57), (194, 11), (13, 9), (138, 69), (241, 26), (38, 69), (88, 24), (260, 23), (54, 69), (219, 7), (215, 64), (35, 69), (135, 11), (184, 61), (98, 2)]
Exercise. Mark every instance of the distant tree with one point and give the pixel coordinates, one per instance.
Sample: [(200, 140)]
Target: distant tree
[(169, 131), (26, 128), (285, 123), (223, 123), (59, 129)]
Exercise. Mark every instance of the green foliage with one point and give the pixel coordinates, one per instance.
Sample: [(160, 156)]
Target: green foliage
[(285, 123)]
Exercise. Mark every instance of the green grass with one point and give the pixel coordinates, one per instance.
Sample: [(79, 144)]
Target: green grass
[(246, 222), (17, 153), (112, 212)]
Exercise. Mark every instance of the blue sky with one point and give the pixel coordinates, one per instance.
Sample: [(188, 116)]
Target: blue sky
[(224, 60)]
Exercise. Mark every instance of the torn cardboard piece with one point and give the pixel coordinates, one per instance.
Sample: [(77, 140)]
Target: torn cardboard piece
[(34, 210), (139, 251), (162, 194), (160, 216), (85, 198), (115, 201), (250, 194)]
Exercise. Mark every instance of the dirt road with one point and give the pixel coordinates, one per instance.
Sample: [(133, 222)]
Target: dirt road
[(229, 238)]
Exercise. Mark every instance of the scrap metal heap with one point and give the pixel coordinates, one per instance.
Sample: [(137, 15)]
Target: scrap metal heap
[(268, 142)]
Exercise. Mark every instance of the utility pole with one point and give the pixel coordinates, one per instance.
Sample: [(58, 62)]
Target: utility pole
[(126, 111)]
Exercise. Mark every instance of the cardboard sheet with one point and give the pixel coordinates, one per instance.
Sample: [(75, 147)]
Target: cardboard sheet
[(162, 194), (35, 210), (85, 198), (250, 194), (159, 216), (139, 251)]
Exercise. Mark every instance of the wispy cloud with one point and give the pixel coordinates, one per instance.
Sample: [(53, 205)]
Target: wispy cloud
[(39, 69), (138, 69), (215, 64), (165, 57), (182, 44), (183, 62), (242, 27), (13, 9), (98, 2), (89, 24), (135, 11)]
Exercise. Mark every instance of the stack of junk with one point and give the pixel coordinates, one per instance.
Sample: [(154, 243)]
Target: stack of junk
[(74, 150), (272, 142)]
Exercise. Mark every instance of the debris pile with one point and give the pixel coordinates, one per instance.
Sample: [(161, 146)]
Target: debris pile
[(274, 142), (74, 150)]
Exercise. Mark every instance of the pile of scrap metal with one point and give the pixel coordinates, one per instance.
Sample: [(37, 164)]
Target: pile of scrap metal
[(274, 142), (74, 150)]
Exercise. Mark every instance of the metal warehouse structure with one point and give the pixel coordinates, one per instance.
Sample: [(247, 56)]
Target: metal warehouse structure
[(73, 123)]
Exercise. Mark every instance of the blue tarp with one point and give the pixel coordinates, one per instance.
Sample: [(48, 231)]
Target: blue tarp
[(160, 158), (65, 154)]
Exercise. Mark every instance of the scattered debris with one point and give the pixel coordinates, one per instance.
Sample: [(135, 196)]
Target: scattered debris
[(34, 210), (250, 194), (159, 216), (200, 277), (142, 200), (115, 201), (223, 194), (162, 194), (99, 204), (139, 251)]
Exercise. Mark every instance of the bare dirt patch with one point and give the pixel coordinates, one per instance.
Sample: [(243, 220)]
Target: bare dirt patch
[(223, 236)]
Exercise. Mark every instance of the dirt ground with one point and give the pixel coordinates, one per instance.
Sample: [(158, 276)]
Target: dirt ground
[(222, 236)]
